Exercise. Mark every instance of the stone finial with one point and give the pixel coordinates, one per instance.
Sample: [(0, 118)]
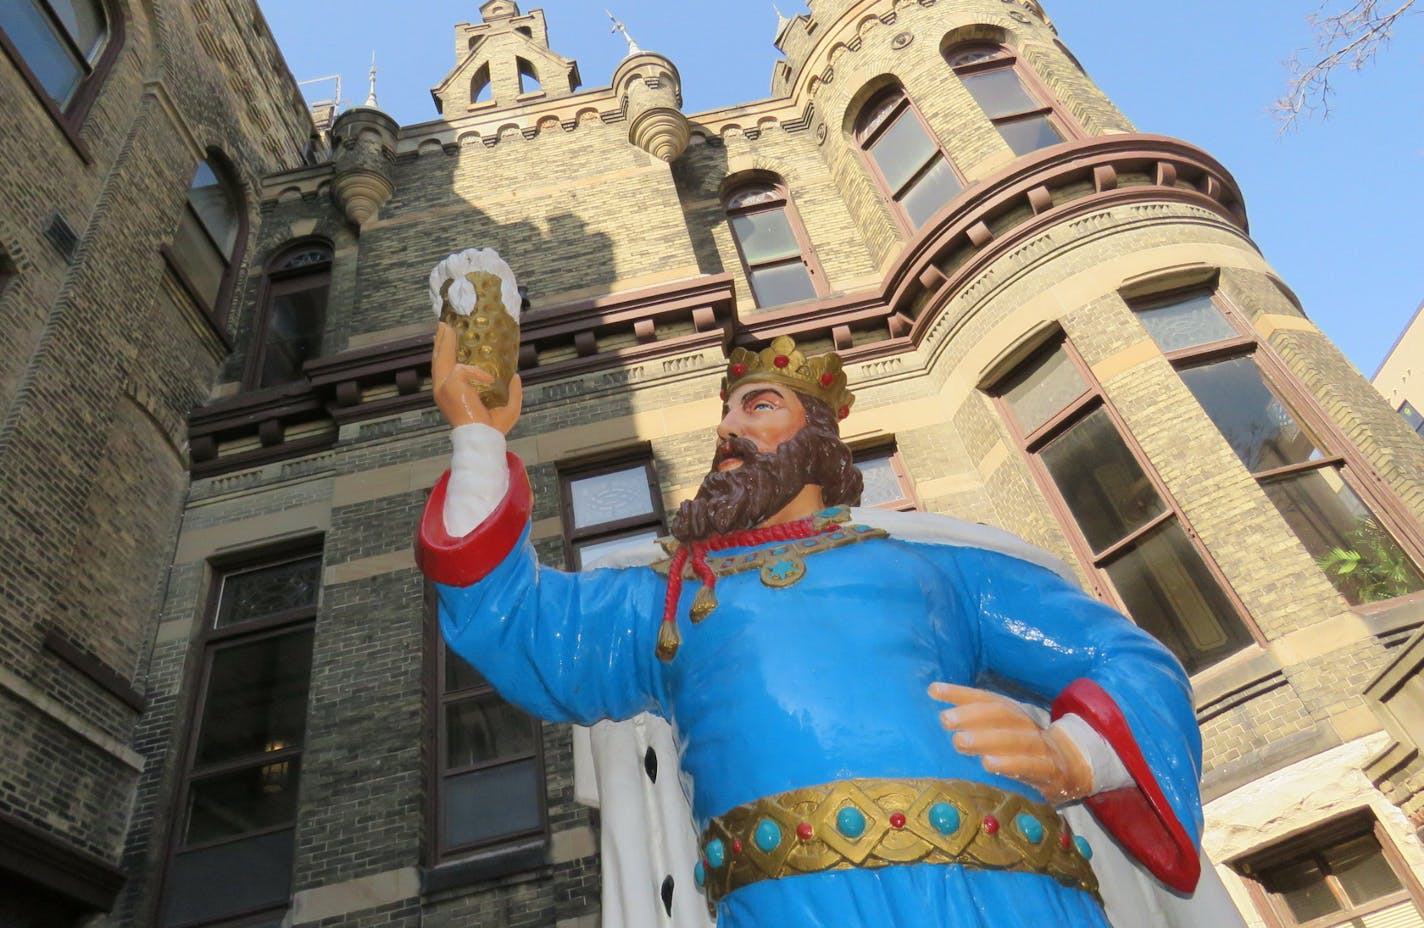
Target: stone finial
[(650, 91)]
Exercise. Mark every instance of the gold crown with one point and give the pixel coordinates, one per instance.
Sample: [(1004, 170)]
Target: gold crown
[(782, 362)]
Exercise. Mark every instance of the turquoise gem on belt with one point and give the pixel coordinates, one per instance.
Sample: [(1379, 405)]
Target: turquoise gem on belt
[(1083, 847), (1028, 826), (767, 835), (850, 822), (945, 818), (699, 874), (716, 853)]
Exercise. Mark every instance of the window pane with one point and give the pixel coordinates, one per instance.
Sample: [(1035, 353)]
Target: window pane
[(1362, 870), (294, 327), (621, 494), (459, 675), (1345, 538), (46, 54), (242, 801), (1301, 885), (1042, 390), (936, 187), (1413, 417), (201, 263), (1000, 93), (84, 21), (881, 483), (1262, 432), (765, 236), (902, 150), (871, 119), (1105, 487), (1168, 590), (485, 728), (775, 284), (266, 591), (256, 699), (1029, 134), (490, 802), (966, 56), (214, 208), (1195, 320), (588, 555), (201, 884)]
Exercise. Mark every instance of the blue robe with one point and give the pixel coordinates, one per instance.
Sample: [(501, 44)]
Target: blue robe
[(826, 680)]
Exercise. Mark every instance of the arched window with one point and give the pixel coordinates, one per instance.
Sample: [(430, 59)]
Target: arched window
[(528, 80), (775, 252), (61, 47), (905, 157), (293, 314), (209, 238), (481, 89), (1017, 109)]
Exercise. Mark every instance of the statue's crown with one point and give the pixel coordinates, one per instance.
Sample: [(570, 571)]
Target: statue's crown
[(782, 362)]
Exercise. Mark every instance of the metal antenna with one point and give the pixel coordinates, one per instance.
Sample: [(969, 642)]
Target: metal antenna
[(633, 48), (371, 97)]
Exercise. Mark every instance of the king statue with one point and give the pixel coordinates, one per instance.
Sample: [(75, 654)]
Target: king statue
[(878, 723)]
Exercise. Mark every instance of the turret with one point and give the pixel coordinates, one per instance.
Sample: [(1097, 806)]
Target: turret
[(650, 92), (364, 147)]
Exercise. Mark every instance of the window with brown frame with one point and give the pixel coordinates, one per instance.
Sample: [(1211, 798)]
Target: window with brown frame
[(489, 774), (905, 158), (208, 241), (887, 481), (1344, 873), (292, 316), (237, 806), (62, 48), (1413, 417), (1014, 105), (608, 504), (1118, 515), (1306, 470), (775, 252)]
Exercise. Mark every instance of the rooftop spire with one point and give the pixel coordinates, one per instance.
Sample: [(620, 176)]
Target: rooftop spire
[(371, 97), (633, 48)]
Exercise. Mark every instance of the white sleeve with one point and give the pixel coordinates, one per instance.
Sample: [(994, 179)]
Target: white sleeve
[(479, 477), (1108, 771)]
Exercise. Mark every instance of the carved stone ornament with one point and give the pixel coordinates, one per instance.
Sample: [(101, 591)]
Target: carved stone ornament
[(361, 194), (901, 40), (662, 132)]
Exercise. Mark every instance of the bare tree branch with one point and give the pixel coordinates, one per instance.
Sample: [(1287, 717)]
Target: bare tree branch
[(1350, 37)]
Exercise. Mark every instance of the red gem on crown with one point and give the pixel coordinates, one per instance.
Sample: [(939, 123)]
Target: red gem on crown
[(805, 832), (897, 819), (991, 825), (1063, 839), (827, 379), (781, 360), (738, 370), (844, 411), (736, 845)]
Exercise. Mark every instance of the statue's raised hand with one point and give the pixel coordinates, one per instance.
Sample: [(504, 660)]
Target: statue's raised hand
[(1010, 742), (457, 388)]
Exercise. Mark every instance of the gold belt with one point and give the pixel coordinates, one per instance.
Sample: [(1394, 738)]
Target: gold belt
[(872, 823)]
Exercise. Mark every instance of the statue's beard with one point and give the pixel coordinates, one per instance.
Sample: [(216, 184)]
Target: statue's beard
[(764, 484)]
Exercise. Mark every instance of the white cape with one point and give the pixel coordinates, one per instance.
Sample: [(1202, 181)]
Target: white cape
[(648, 835)]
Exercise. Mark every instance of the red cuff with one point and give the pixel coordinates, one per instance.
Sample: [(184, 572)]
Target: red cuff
[(470, 558), (1139, 817)]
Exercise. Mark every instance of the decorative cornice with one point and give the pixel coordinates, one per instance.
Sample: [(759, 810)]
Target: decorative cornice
[(556, 343)]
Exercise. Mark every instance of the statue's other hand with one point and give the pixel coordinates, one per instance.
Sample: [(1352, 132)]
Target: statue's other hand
[(457, 387), (1010, 742)]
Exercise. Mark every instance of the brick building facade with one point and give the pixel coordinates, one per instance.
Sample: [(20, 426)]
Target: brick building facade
[(1055, 324)]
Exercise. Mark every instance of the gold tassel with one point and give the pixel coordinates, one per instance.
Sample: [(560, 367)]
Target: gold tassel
[(703, 604), (669, 638)]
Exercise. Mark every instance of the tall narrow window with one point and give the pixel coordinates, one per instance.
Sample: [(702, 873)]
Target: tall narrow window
[(490, 771), (57, 45), (481, 88), (905, 158), (607, 505), (1119, 515), (238, 796), (777, 257), (1346, 873), (293, 314), (1303, 472), (992, 76), (210, 231)]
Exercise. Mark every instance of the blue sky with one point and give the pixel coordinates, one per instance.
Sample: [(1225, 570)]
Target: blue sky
[(1334, 206)]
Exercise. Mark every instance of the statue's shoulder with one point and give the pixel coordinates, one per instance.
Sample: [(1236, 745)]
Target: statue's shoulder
[(935, 529)]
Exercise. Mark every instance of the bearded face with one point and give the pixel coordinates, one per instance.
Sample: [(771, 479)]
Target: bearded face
[(756, 471)]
